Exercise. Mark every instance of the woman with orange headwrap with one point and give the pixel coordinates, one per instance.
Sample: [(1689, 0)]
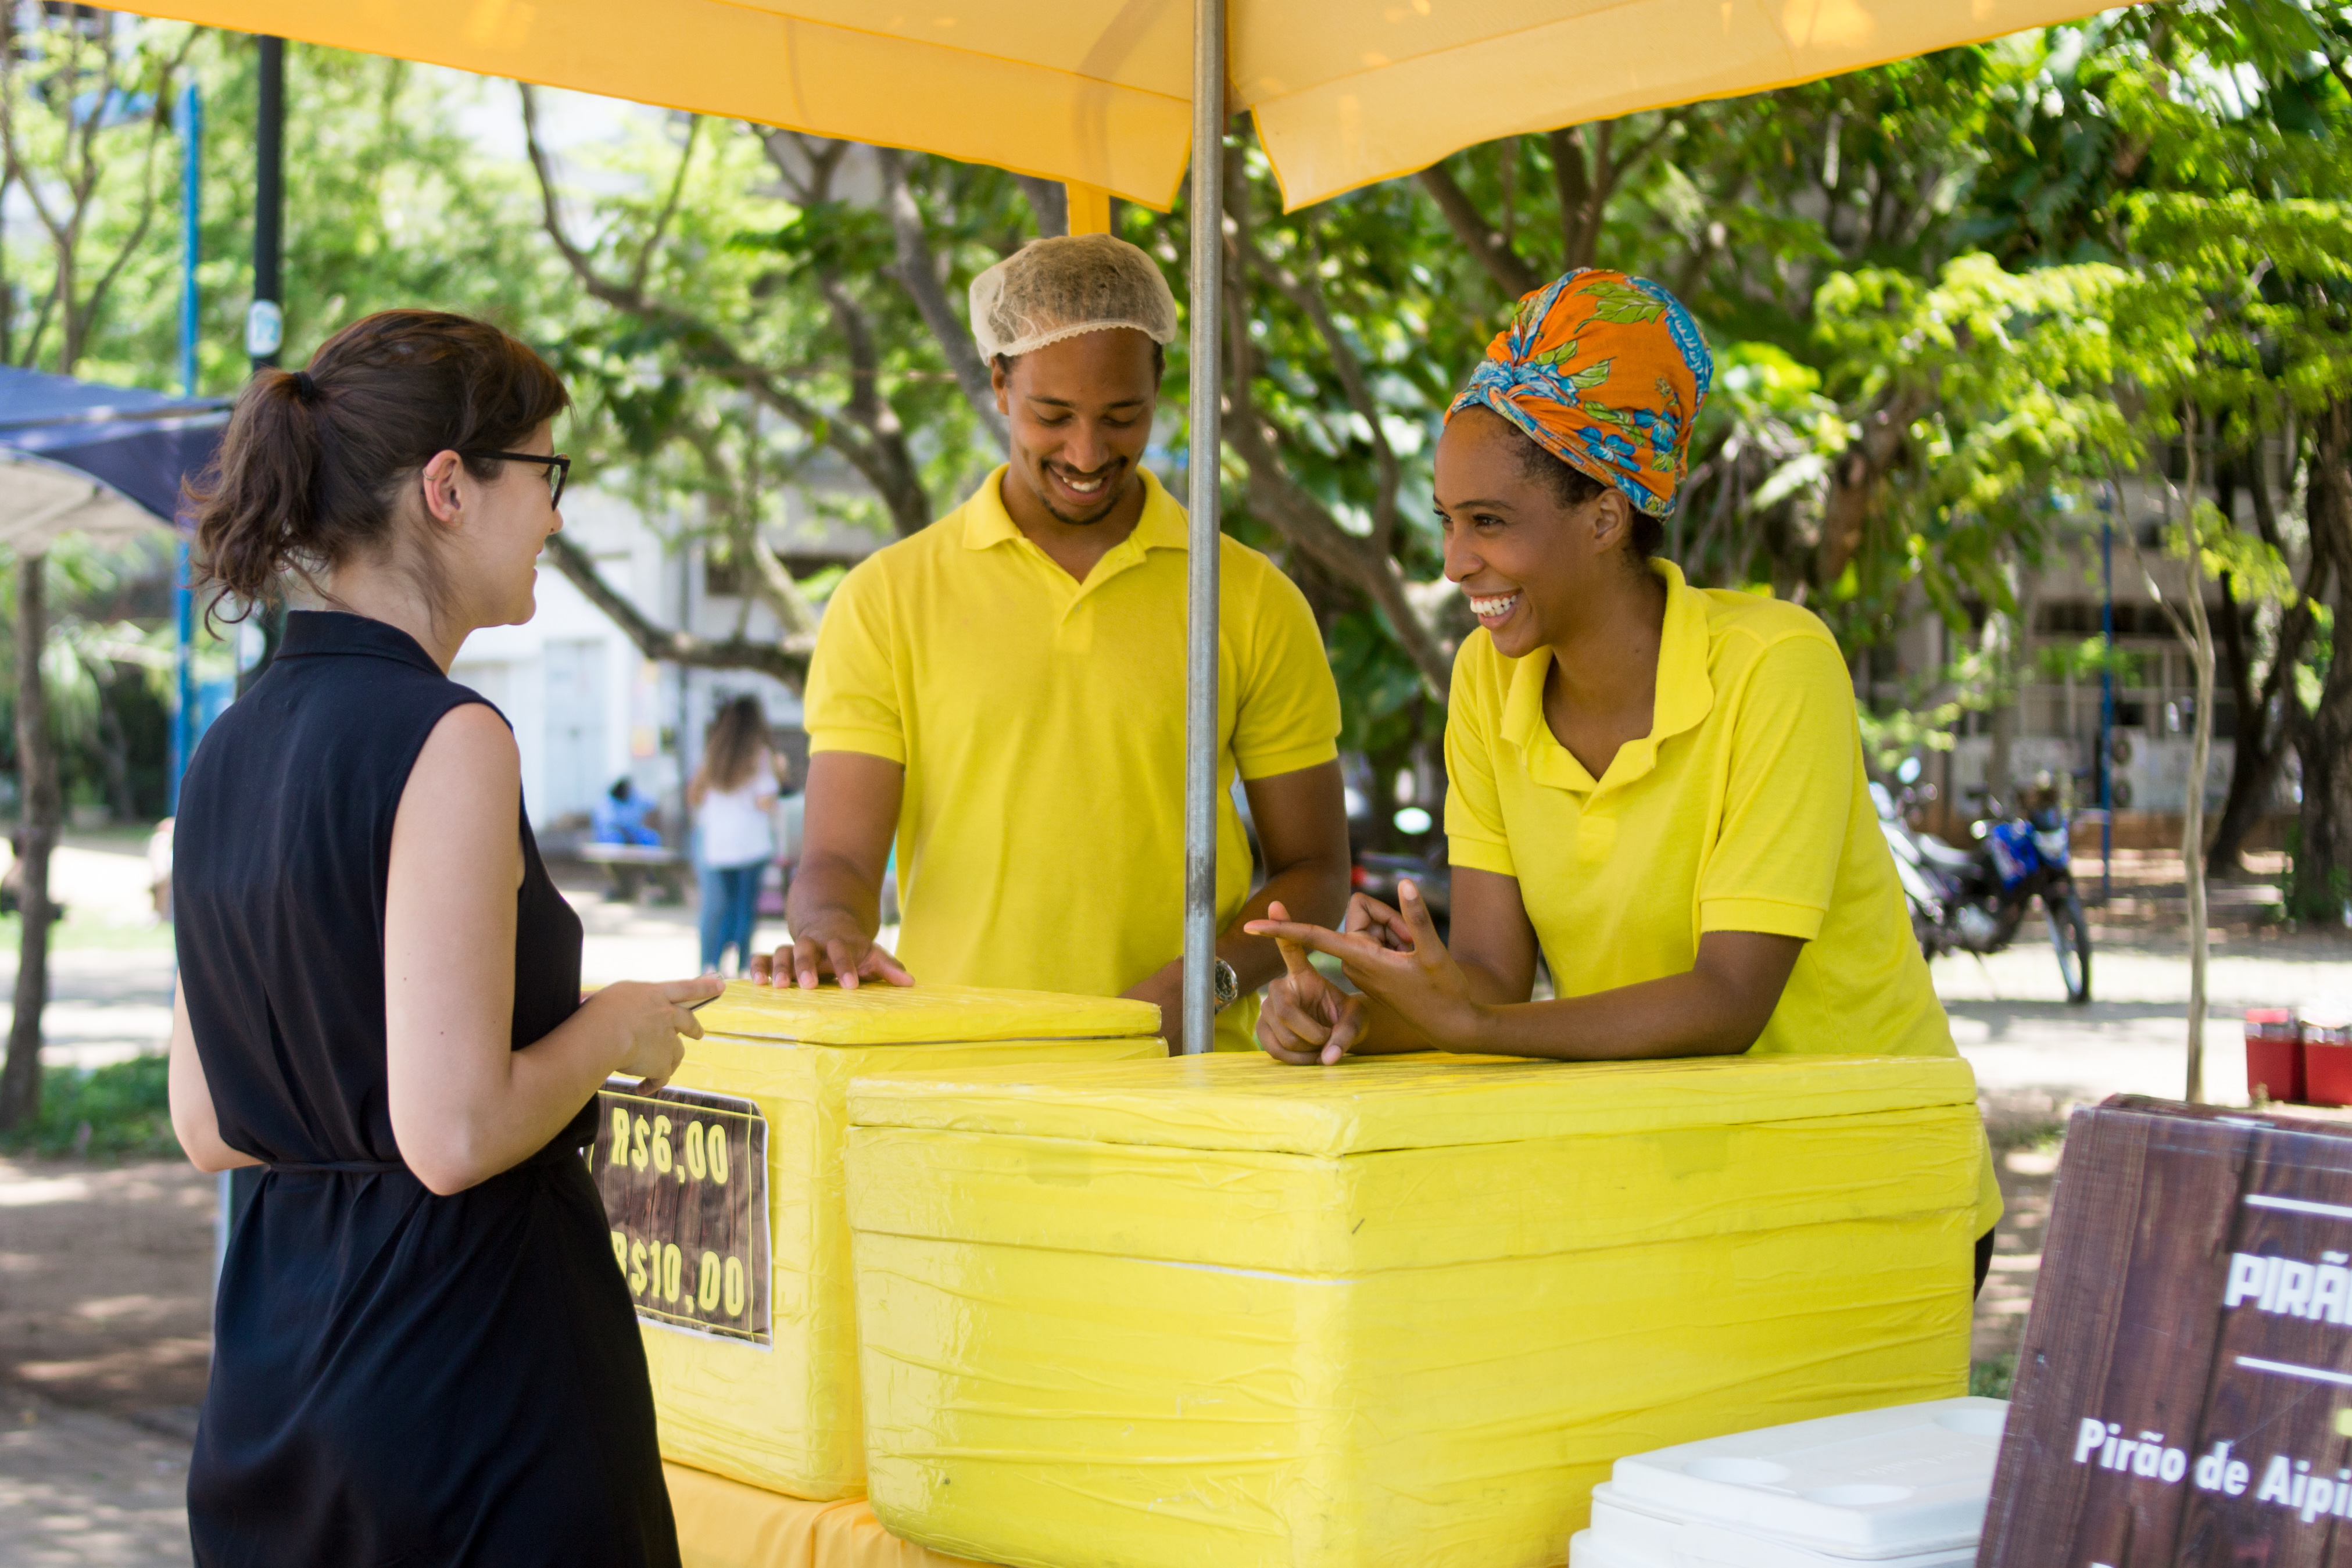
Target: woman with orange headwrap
[(1658, 789)]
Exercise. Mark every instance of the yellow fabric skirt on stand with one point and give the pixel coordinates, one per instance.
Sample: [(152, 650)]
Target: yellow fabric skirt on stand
[(726, 1524)]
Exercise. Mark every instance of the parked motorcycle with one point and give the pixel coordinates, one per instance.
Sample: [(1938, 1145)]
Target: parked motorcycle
[(1974, 901)]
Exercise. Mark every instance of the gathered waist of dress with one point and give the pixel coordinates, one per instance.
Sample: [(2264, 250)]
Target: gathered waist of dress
[(553, 1154), (334, 1167)]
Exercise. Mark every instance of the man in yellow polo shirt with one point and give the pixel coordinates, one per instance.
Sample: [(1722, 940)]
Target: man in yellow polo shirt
[(1004, 692)]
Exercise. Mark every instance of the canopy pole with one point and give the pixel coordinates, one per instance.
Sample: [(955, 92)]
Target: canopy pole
[(1202, 465), (264, 320), (183, 675)]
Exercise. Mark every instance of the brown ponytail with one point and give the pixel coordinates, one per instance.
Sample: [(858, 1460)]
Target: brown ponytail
[(313, 460)]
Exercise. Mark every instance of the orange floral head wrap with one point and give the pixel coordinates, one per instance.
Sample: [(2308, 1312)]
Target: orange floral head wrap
[(1606, 373)]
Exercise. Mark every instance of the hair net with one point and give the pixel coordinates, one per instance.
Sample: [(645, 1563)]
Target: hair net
[(1054, 288)]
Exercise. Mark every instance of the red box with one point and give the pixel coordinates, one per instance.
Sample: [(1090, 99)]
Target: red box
[(2326, 1060), (2274, 1055)]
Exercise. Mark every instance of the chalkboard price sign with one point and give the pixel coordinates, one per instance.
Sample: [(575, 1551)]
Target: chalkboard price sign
[(2184, 1388), (685, 1179)]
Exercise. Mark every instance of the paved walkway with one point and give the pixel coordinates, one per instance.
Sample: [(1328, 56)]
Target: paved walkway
[(83, 1491)]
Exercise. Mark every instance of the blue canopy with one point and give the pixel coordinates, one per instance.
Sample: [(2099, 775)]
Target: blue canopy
[(84, 457)]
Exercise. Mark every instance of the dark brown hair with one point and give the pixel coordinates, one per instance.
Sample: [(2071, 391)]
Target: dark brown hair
[(1572, 488), (313, 460), (732, 744)]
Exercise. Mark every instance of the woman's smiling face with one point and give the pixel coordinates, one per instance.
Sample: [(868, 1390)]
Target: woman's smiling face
[(1526, 563)]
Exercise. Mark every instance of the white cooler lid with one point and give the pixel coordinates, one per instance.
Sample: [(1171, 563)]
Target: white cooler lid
[(1873, 1484), (1624, 1536), (1595, 1549), (1585, 1552)]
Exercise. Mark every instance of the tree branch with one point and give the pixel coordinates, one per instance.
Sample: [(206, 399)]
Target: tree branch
[(1281, 501), (1513, 276), (2181, 627), (669, 207), (877, 454), (771, 584), (785, 660), (95, 302), (917, 273), (1050, 200), (1854, 479), (1310, 303)]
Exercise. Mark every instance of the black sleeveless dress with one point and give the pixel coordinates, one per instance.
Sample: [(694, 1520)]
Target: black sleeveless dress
[(397, 1378)]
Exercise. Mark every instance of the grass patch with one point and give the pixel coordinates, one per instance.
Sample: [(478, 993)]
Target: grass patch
[(124, 1108), (77, 933), (1991, 1379)]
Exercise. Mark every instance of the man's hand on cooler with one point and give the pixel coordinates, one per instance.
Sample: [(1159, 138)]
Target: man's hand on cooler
[(1165, 991), (831, 944)]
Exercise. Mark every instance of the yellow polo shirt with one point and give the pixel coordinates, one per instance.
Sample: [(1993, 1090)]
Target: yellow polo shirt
[(1745, 809), (1041, 722)]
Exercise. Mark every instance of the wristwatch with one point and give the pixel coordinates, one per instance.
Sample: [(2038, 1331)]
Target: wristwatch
[(1227, 985)]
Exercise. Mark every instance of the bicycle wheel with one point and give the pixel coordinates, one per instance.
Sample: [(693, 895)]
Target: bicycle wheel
[(2069, 935)]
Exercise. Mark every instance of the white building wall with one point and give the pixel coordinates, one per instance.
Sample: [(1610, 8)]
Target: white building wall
[(644, 719), (568, 655)]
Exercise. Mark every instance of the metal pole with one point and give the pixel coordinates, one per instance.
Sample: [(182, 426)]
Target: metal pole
[(265, 334), (265, 320), (183, 722), (1201, 473), (2107, 704)]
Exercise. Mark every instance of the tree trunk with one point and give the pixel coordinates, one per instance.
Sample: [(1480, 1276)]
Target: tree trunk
[(1482, 239), (784, 659), (20, 1079), (114, 755), (1854, 479), (2262, 738), (1050, 201), (2323, 870), (2192, 807), (917, 272)]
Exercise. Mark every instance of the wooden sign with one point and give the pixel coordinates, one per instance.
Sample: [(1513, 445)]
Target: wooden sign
[(685, 1179), (2184, 1389)]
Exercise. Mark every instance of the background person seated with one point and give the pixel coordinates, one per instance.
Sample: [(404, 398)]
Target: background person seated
[(622, 817)]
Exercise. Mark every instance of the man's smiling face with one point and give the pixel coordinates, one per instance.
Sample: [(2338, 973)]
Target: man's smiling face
[(1080, 416)]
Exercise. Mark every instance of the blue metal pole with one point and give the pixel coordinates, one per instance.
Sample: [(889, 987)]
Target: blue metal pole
[(2107, 704), (184, 607)]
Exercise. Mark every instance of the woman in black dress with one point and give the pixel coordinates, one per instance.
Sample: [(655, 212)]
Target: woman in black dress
[(422, 1351)]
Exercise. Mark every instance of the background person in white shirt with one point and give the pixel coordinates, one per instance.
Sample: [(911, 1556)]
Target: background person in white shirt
[(732, 794)]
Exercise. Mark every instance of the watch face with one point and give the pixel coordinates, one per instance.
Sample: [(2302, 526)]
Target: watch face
[(1228, 984)]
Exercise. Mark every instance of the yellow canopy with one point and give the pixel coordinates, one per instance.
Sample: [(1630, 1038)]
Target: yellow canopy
[(1097, 92)]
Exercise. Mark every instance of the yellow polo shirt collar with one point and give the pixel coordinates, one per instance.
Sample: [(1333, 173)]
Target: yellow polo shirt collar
[(1686, 695), (987, 525)]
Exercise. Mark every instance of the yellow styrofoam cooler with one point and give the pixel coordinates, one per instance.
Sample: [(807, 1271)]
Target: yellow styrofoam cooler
[(1404, 1310), (760, 1389)]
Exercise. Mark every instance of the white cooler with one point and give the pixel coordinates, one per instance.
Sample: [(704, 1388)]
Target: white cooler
[(1903, 1486)]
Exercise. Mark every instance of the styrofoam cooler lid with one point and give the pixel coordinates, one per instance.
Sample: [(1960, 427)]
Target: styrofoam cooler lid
[(876, 1014), (1585, 1552), (1638, 1539), (1874, 1485)]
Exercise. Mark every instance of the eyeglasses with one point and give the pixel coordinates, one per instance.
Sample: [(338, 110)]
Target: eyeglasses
[(559, 468)]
